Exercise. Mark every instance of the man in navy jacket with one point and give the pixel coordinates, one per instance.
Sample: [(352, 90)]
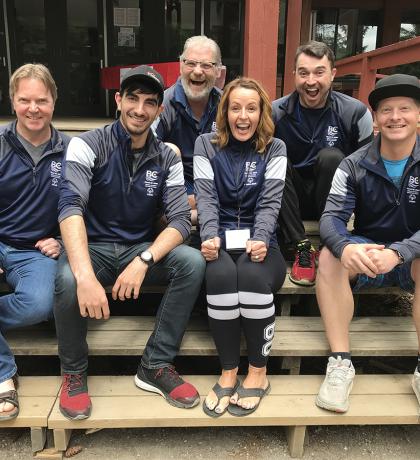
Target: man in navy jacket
[(31, 153), (190, 105), (117, 181), (380, 184), (319, 127)]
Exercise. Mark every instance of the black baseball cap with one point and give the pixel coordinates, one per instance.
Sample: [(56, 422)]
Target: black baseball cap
[(395, 85), (144, 74)]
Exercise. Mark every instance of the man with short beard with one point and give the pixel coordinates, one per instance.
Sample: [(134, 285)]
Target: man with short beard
[(116, 181), (190, 105)]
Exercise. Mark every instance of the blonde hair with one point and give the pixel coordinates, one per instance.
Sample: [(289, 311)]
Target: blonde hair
[(265, 129), (37, 71)]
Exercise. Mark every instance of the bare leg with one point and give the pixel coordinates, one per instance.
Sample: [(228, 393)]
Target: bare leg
[(415, 274), (335, 300)]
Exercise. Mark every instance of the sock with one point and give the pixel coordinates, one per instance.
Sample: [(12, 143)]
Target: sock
[(343, 354)]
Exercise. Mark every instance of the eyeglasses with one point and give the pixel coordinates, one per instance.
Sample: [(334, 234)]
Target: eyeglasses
[(191, 64)]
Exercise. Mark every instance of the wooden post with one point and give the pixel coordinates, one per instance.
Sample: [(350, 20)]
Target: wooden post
[(295, 440), (260, 42), (294, 14)]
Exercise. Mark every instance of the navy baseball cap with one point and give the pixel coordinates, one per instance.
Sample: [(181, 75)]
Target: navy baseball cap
[(395, 85), (144, 74)]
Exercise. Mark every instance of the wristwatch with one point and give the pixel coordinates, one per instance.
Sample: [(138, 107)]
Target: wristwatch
[(400, 256), (147, 258)]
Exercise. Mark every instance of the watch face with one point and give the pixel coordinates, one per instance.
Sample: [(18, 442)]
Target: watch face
[(146, 256)]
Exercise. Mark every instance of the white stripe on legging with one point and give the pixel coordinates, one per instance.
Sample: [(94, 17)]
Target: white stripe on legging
[(223, 314), (223, 300), (254, 313), (253, 298)]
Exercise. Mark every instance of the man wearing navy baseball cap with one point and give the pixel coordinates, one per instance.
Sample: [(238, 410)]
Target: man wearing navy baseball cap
[(380, 184), (116, 182)]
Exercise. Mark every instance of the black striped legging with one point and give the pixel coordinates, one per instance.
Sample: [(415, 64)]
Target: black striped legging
[(240, 293)]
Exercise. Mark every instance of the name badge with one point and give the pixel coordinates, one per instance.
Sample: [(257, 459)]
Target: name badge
[(236, 239)]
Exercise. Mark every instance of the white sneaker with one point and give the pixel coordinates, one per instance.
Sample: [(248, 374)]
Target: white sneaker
[(415, 383), (335, 389)]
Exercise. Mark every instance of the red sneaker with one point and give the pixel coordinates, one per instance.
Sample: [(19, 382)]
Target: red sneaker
[(75, 402), (304, 267), (167, 382)]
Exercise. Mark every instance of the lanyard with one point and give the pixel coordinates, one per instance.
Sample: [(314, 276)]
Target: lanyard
[(236, 174)]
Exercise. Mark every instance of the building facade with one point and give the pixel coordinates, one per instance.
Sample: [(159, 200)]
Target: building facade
[(77, 39)]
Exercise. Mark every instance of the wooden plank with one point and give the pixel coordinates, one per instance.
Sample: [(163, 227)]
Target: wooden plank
[(38, 438), (393, 403), (61, 438), (296, 336), (381, 384), (295, 440), (288, 288)]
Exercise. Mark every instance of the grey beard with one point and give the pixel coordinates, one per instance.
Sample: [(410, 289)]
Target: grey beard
[(202, 95)]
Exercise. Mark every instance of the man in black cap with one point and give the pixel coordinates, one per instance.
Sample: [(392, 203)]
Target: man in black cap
[(117, 180), (380, 184)]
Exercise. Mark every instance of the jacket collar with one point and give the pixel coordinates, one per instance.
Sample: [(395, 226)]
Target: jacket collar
[(373, 154), (289, 103), (56, 140)]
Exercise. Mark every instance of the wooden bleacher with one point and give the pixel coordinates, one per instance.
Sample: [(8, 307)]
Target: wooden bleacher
[(375, 399)]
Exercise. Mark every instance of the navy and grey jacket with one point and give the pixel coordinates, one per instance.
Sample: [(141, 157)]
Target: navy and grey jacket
[(176, 123), (383, 213), (345, 124), (116, 206), (29, 193), (237, 177)]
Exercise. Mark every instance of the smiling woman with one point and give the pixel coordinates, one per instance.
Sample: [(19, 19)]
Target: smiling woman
[(239, 176)]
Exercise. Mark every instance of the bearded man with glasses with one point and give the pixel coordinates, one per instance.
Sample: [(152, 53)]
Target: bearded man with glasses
[(190, 105)]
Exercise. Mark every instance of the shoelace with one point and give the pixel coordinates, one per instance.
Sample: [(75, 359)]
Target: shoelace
[(171, 372), (337, 375), (73, 382), (304, 256)]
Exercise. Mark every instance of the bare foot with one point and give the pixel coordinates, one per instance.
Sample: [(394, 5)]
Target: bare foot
[(256, 378), (226, 380), (6, 386)]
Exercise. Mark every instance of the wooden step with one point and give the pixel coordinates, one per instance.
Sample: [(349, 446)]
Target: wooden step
[(117, 403), (295, 336), (37, 396)]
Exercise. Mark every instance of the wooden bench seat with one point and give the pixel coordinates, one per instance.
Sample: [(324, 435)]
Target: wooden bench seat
[(117, 403), (37, 396)]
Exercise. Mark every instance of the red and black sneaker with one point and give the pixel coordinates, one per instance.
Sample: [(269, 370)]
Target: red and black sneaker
[(304, 267), (75, 402), (167, 382)]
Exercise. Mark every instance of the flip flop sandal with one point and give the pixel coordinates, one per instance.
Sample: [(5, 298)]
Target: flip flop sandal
[(220, 393), (239, 411), (11, 397)]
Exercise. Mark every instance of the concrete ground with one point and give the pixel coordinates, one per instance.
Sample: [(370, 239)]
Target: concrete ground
[(329, 443)]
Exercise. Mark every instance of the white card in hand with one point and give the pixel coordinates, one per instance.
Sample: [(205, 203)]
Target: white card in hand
[(236, 239)]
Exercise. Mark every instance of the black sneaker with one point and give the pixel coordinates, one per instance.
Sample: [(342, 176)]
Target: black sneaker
[(167, 382)]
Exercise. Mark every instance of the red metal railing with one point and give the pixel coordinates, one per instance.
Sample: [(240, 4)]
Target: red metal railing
[(367, 64)]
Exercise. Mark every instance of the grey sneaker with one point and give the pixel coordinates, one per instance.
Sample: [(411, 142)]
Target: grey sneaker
[(415, 383), (335, 389)]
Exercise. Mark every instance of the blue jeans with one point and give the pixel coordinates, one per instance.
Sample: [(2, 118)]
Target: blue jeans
[(182, 270), (31, 275)]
